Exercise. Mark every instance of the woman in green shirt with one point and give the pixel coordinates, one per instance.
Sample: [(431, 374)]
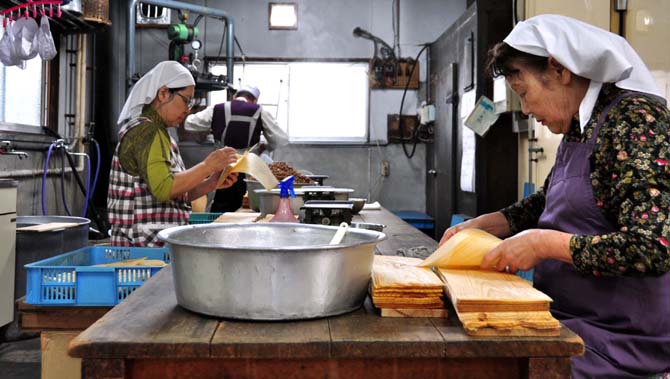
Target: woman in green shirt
[(149, 187)]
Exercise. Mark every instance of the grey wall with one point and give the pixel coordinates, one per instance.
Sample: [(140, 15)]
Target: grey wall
[(28, 172), (325, 31)]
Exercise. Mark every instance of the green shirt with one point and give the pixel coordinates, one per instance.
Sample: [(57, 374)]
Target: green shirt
[(145, 152)]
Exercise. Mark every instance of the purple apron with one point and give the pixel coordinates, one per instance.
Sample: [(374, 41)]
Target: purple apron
[(624, 321)]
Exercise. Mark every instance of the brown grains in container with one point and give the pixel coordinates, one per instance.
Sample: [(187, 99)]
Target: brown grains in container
[(281, 170)]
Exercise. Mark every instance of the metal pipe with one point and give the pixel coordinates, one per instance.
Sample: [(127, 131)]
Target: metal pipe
[(206, 11), (428, 75)]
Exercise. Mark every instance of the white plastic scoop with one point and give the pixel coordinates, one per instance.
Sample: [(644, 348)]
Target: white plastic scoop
[(339, 234)]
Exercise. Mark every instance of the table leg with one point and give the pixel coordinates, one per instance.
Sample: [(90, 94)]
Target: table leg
[(549, 368), (103, 369)]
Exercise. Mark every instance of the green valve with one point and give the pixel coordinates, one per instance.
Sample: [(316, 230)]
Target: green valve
[(182, 32)]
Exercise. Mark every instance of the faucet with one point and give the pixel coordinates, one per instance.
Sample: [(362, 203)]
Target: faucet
[(6, 148)]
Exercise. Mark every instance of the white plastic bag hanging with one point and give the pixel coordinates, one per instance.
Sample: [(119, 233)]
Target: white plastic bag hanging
[(8, 55), (44, 41), (24, 30)]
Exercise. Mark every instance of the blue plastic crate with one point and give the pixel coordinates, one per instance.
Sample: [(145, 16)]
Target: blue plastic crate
[(203, 217), (418, 220), (73, 279)]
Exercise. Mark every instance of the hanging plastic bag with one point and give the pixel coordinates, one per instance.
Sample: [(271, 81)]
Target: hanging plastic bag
[(25, 30), (44, 41), (8, 55), (7, 47)]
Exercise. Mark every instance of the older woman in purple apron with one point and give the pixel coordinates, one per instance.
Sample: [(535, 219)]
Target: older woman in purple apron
[(597, 233)]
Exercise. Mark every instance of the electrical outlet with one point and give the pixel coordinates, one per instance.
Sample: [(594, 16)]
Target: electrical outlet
[(386, 168)]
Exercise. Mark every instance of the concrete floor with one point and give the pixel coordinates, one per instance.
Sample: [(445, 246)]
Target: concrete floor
[(20, 359)]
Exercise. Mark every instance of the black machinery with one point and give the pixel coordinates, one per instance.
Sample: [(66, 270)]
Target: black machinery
[(326, 212), (181, 34)]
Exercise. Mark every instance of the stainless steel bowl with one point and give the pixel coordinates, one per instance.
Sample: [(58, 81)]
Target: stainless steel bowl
[(268, 201), (271, 271), (253, 185)]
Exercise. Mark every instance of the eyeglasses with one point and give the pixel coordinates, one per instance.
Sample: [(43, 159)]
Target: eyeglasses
[(190, 103)]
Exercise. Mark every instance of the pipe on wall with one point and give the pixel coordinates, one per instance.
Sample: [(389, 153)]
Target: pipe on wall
[(207, 11)]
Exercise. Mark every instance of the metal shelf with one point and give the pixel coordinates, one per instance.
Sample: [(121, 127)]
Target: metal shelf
[(68, 23)]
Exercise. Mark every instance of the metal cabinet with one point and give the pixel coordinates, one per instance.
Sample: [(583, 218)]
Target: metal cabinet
[(7, 249)]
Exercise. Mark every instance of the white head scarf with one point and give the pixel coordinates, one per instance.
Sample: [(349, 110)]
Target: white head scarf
[(585, 50), (169, 73)]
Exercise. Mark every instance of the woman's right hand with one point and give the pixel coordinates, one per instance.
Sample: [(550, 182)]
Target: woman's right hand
[(220, 159), (494, 223)]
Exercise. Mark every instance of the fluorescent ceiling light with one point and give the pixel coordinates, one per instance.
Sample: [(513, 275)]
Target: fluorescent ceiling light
[(283, 16)]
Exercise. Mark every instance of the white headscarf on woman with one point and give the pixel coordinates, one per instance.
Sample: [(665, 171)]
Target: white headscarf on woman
[(169, 73), (587, 51)]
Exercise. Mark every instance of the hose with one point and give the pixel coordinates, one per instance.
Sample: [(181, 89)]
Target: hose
[(87, 191), (97, 167), (62, 182)]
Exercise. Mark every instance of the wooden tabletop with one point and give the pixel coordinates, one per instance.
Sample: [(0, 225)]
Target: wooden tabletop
[(150, 325)]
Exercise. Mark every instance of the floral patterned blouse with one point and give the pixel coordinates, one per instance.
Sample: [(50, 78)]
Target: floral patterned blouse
[(630, 175)]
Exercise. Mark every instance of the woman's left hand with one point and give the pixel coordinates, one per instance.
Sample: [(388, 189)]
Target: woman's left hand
[(526, 249)]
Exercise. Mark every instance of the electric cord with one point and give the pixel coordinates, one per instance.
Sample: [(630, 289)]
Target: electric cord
[(402, 103)]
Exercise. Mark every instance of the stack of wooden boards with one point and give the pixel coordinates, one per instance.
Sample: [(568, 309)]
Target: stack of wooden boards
[(488, 303), (400, 288)]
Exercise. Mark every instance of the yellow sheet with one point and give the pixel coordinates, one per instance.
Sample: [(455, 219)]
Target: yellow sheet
[(251, 164), (465, 250)]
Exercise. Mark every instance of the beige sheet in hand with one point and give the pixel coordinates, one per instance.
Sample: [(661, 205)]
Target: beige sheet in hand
[(465, 250), (251, 164)]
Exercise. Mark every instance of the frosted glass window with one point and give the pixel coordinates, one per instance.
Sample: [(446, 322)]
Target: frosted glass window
[(328, 102), (312, 101), (21, 93)]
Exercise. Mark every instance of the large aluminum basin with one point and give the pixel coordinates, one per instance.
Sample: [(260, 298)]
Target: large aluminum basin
[(270, 271)]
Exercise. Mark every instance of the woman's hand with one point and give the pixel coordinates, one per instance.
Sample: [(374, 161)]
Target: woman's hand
[(229, 181), (526, 249), (494, 223), (219, 159)]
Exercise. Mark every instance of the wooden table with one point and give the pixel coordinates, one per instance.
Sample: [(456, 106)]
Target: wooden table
[(150, 336)]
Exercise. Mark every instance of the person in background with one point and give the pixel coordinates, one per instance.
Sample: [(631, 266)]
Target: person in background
[(239, 124), (149, 187), (598, 232)]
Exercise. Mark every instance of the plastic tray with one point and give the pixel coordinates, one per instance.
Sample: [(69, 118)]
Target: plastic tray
[(72, 278), (203, 218)]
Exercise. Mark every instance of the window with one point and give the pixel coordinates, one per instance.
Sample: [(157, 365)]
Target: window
[(314, 102), (283, 16), (21, 95)]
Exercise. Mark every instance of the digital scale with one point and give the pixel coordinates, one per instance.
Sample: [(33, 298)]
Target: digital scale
[(326, 212)]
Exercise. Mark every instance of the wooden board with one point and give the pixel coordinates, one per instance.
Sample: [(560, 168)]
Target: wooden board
[(432, 313), (56, 363), (238, 217), (47, 227), (41, 318), (519, 324), (402, 273), (491, 291), (147, 324)]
